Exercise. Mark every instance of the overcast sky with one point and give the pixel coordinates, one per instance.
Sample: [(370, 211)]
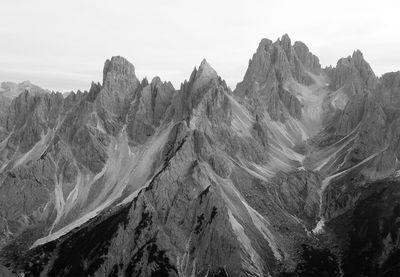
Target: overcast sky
[(62, 45)]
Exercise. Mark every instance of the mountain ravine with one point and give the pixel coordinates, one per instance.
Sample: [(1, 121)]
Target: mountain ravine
[(295, 172)]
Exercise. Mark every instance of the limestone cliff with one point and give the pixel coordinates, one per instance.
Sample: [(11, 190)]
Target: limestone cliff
[(137, 178)]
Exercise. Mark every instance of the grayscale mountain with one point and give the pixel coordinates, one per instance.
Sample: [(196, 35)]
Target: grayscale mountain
[(293, 173)]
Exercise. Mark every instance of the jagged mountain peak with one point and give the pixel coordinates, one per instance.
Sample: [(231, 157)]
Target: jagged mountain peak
[(355, 59), (204, 65), (116, 68), (308, 59), (300, 45), (137, 179), (285, 42), (275, 75), (119, 64), (196, 94), (264, 44), (287, 59), (285, 38), (362, 65), (353, 70), (156, 81), (202, 75), (206, 71), (357, 55), (391, 79), (144, 82)]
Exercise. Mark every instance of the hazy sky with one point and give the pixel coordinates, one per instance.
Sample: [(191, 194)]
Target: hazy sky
[(62, 45)]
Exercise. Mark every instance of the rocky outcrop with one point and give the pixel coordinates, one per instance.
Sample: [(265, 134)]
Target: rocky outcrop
[(148, 110), (119, 88), (30, 118), (272, 67), (368, 113), (292, 104), (299, 192), (308, 60), (353, 70), (5, 103), (354, 77)]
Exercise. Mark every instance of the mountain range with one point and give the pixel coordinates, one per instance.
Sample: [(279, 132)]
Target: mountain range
[(295, 172)]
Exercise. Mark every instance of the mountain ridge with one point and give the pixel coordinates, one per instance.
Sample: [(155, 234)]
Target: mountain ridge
[(200, 181)]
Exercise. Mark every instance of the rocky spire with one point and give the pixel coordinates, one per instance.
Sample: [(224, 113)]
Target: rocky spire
[(204, 75), (309, 60), (353, 71), (118, 73), (120, 86), (286, 44), (391, 79), (388, 89), (271, 68), (365, 70), (205, 94), (148, 110), (206, 69)]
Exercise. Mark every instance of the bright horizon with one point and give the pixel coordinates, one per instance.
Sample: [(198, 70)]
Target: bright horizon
[(62, 45)]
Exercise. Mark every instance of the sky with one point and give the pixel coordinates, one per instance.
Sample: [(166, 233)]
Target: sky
[(62, 45)]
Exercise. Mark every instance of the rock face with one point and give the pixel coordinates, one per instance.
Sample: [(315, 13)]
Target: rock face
[(270, 70), (299, 193), (148, 110), (136, 178)]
